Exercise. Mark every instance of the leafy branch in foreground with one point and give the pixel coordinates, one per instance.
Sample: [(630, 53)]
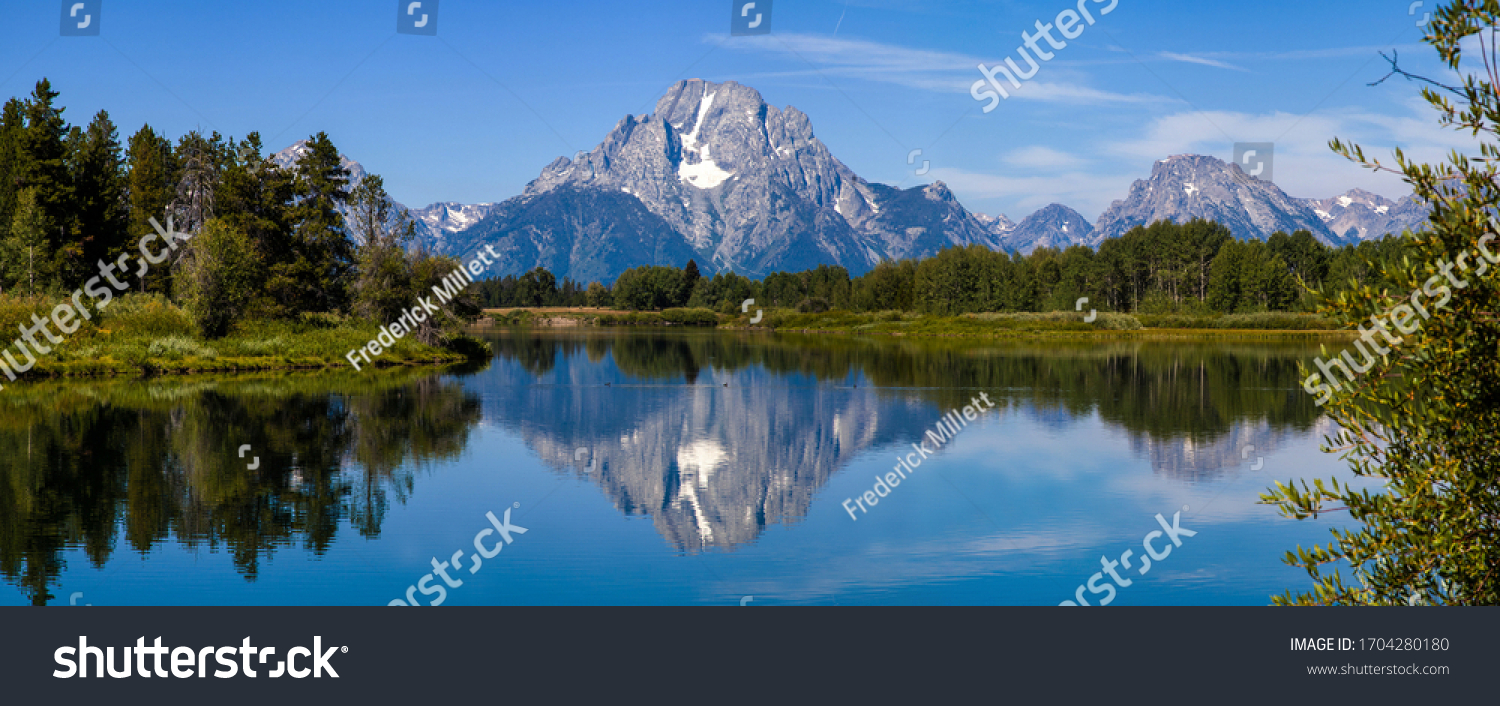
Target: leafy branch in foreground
[(1425, 417)]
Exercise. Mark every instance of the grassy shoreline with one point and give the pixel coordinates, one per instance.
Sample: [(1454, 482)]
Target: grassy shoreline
[(989, 325), (145, 336)]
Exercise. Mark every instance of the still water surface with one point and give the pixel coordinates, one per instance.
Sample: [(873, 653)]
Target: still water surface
[(653, 467)]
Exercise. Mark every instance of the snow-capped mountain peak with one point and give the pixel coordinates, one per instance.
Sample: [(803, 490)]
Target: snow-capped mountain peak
[(1360, 215)]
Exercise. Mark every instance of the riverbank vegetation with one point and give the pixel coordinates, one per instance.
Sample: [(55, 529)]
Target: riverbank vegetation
[(1193, 275), (283, 265)]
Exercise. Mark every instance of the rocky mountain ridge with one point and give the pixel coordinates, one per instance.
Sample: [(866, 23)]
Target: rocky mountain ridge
[(718, 175)]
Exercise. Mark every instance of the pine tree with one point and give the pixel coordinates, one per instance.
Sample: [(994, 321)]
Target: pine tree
[(43, 155), (254, 197), (41, 167), (99, 182), (152, 183), (690, 276), (1225, 285), (313, 274), (12, 122)]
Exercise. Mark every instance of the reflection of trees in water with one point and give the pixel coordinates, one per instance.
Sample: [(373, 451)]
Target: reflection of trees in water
[(713, 466), (157, 461)]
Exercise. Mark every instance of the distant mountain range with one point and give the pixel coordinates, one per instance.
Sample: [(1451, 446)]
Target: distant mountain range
[(1055, 226), (1360, 215), (717, 175), (1185, 187)]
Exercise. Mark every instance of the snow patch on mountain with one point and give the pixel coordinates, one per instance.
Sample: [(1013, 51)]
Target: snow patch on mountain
[(705, 174)]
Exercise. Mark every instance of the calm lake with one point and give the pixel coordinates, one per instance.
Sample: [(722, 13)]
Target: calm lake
[(654, 467)]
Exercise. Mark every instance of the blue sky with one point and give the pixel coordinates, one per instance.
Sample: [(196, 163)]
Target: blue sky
[(505, 87)]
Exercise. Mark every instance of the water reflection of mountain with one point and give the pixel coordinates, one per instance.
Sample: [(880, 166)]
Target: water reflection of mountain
[(1247, 442), (713, 465), (148, 462)]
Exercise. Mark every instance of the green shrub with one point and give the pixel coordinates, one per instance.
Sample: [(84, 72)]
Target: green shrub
[(469, 347), (146, 315), (814, 305), (1059, 320), (519, 317), (15, 314), (1263, 321), (265, 346), (318, 319), (179, 347), (690, 317)]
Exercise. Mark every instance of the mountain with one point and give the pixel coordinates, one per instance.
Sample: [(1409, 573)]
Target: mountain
[(438, 221), (998, 225), (717, 175), (1185, 187), (1055, 226), (1369, 216), (434, 222)]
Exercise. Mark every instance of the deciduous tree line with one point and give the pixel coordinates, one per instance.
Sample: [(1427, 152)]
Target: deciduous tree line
[(1193, 268)]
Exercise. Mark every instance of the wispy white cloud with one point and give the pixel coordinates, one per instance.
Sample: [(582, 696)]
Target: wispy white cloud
[(1045, 158), (1089, 177), (1191, 59), (1305, 166), (922, 69)]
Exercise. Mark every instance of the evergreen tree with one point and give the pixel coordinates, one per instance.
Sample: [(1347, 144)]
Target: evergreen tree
[(255, 197), (99, 182), (152, 182), (12, 123), (312, 273), (42, 159), (690, 275), (1225, 286)]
